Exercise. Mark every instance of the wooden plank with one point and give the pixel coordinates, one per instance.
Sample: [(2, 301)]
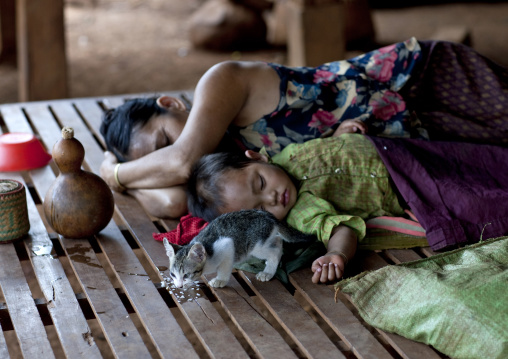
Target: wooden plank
[(25, 318), (263, 338), (139, 224), (68, 319), (402, 255), (42, 62), (44, 122), (160, 324), (4, 351), (15, 119), (409, 349), (92, 113), (344, 323), (368, 260), (212, 331), (427, 251), (119, 330), (307, 335)]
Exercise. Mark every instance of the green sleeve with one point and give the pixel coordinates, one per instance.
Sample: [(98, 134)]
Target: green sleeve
[(317, 216)]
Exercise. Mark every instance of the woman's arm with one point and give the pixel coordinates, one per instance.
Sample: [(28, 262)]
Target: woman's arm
[(165, 203), (341, 248), (219, 98)]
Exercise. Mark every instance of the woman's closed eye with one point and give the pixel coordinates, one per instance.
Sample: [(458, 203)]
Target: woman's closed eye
[(261, 182)]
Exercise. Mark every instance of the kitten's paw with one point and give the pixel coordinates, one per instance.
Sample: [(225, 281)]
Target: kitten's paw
[(218, 283), (264, 277)]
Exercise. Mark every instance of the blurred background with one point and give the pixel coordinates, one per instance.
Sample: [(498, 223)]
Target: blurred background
[(133, 46)]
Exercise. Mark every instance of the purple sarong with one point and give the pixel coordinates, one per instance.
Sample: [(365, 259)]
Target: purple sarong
[(459, 95), (458, 191)]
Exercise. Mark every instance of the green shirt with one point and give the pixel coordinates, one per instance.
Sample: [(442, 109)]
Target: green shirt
[(341, 180)]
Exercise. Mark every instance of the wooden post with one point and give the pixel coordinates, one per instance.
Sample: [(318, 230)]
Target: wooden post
[(42, 61), (315, 32), (7, 31)]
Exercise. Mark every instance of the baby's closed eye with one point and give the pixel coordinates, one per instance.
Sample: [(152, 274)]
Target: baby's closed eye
[(261, 183)]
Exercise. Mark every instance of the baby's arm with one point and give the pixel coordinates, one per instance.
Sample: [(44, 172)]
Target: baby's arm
[(341, 248)]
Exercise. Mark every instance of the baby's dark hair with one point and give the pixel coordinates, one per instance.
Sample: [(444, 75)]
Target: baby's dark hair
[(117, 123), (205, 185)]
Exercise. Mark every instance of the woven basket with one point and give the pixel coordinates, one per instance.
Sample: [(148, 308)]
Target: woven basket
[(14, 222)]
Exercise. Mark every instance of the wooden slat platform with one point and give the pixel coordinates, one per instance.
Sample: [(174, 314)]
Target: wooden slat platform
[(108, 296)]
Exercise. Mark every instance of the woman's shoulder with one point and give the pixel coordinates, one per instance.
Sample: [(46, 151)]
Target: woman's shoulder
[(249, 75), (232, 66), (233, 77)]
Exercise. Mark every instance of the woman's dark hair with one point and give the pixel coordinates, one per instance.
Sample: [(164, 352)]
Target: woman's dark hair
[(205, 185), (118, 123)]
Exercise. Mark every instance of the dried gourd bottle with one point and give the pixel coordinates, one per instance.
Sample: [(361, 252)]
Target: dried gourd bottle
[(79, 203)]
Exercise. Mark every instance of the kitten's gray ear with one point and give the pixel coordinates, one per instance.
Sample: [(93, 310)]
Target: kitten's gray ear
[(171, 248), (197, 253)]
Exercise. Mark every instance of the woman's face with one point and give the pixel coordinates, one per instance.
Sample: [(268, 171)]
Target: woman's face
[(160, 131)]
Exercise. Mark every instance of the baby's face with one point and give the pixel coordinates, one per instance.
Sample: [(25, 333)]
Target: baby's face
[(259, 186)]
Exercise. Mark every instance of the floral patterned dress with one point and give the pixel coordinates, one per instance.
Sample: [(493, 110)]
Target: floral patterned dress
[(315, 100)]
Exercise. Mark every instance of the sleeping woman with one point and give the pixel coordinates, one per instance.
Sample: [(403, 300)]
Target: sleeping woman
[(413, 89)]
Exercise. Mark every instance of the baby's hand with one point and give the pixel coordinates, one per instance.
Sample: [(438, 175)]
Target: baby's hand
[(350, 126), (328, 268)]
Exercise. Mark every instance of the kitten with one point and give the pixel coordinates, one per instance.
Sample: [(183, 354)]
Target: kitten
[(229, 239)]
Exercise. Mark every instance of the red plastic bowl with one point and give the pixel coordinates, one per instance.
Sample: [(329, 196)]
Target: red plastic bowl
[(21, 151)]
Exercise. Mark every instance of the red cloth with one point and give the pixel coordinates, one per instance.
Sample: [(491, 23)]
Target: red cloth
[(187, 229)]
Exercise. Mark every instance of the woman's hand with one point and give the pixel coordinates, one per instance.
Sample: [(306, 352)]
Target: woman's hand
[(107, 171), (328, 268), (351, 126)]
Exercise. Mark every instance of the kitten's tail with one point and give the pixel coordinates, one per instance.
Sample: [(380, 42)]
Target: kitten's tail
[(292, 235)]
